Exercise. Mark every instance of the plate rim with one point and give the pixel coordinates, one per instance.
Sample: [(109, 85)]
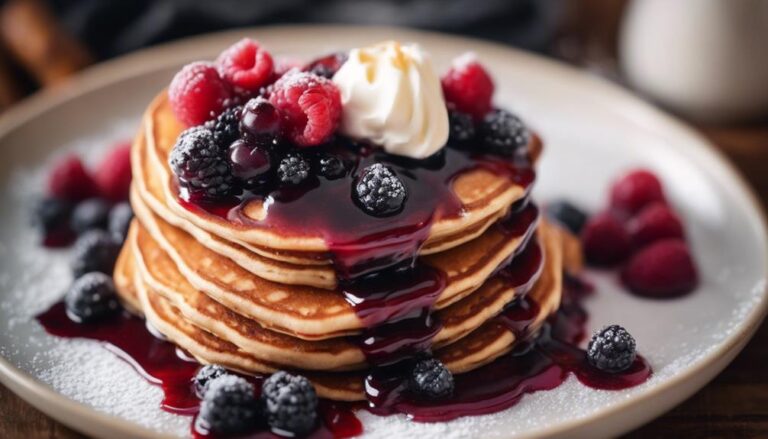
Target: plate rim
[(158, 57)]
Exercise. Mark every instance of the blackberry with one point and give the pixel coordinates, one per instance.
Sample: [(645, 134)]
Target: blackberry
[(290, 403), (567, 214), (119, 220), (612, 349), (461, 127), (431, 378), (226, 127), (503, 133), (90, 214), (50, 214), (201, 165), (293, 169), (379, 191), (95, 250), (327, 66), (91, 297), (331, 166), (205, 377), (229, 406)]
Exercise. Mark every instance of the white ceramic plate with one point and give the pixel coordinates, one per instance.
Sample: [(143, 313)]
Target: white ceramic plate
[(592, 131)]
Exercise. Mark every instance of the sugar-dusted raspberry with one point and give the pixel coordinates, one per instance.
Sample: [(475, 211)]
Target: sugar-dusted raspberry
[(654, 222), (246, 65), (605, 240), (310, 105), (468, 87), (197, 93), (113, 175), (70, 180), (662, 269), (636, 190)]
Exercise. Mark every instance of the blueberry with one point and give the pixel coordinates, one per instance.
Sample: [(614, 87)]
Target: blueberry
[(260, 121), (91, 297), (293, 169), (205, 377), (331, 166), (95, 250), (119, 220), (201, 165), (226, 127), (503, 133), (251, 163), (379, 191), (229, 406), (51, 214), (612, 349), (90, 214), (430, 378), (462, 127), (290, 403), (567, 214)]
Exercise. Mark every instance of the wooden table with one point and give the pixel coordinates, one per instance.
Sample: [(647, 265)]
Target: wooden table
[(735, 404)]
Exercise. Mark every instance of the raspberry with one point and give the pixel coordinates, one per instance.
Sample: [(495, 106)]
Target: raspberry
[(310, 105), (612, 349), (197, 93), (468, 87), (69, 180), (504, 133), (636, 190), (662, 269), (91, 297), (229, 406), (293, 169), (226, 127), (431, 378), (245, 65), (379, 192), (654, 222), (113, 175), (201, 166), (462, 127), (290, 403), (605, 240), (327, 66)]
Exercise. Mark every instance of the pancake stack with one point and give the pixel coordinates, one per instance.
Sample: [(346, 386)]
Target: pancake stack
[(258, 299)]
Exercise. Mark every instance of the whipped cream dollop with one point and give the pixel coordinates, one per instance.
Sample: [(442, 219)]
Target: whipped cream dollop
[(391, 95)]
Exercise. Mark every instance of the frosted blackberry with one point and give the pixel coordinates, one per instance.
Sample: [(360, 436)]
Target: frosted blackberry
[(612, 349), (462, 127), (201, 165), (205, 377), (430, 378), (503, 133), (94, 251), (51, 214), (379, 191), (290, 403), (91, 297), (119, 220), (226, 127), (90, 214), (293, 169), (229, 406)]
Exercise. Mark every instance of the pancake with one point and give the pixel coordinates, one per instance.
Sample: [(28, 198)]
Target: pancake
[(159, 272), (484, 196), (306, 312)]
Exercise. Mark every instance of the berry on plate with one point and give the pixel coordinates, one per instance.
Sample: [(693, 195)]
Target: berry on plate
[(310, 105), (51, 214), (226, 127), (95, 250), (119, 220), (90, 214), (113, 175), (461, 127), (654, 222), (205, 376), (293, 169), (197, 93), (503, 133), (70, 180), (331, 166), (612, 349), (567, 215), (379, 191), (327, 66), (91, 297), (290, 403), (260, 121), (245, 65), (636, 190), (229, 406), (251, 163), (201, 165), (662, 269), (605, 240), (468, 87), (430, 378)]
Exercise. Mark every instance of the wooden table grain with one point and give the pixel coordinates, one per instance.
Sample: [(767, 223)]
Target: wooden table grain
[(735, 404)]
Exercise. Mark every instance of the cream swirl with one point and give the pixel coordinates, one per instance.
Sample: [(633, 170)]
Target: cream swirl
[(391, 96)]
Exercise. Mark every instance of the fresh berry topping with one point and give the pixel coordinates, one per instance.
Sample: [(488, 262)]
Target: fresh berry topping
[(260, 121), (462, 127), (91, 297), (468, 87), (331, 166), (431, 378), (654, 222), (205, 377), (605, 240), (567, 215), (612, 349), (285, 64), (379, 192), (310, 105), (229, 406), (90, 214), (290, 403), (226, 127), (503, 133), (201, 165), (251, 163), (197, 93), (51, 214), (327, 66), (293, 169), (69, 180), (94, 251), (113, 174), (245, 65), (636, 190), (119, 220), (662, 269)]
